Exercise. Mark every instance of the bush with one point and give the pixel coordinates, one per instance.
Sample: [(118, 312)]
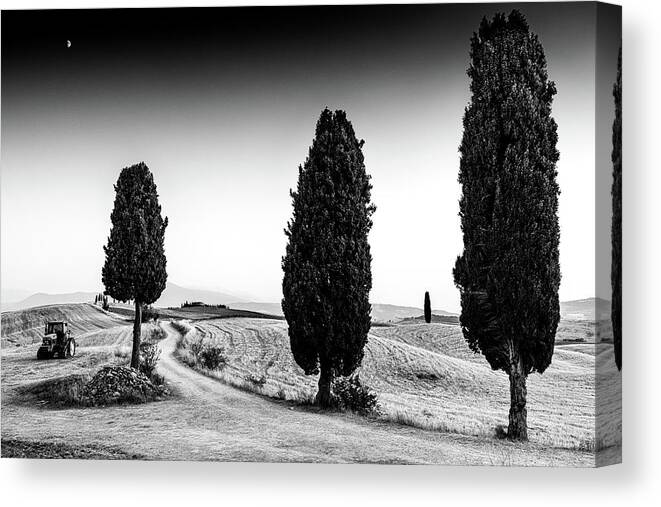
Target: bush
[(258, 381), (60, 391), (196, 347), (212, 358), (500, 432), (156, 334), (149, 356), (351, 394), (122, 353), (149, 314)]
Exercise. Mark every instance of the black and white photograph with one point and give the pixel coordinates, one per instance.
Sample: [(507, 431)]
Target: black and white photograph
[(375, 234)]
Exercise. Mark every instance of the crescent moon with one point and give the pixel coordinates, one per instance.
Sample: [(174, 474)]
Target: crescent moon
[(68, 43)]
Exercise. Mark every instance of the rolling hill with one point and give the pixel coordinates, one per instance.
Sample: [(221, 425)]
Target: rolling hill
[(586, 309), (172, 296), (22, 327)]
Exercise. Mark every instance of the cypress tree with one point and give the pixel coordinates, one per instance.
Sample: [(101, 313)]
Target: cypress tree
[(327, 264), (427, 308), (509, 274), (616, 225), (135, 259)]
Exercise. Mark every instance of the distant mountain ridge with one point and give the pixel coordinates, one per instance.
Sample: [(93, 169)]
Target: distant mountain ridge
[(579, 309), (43, 299), (173, 296)]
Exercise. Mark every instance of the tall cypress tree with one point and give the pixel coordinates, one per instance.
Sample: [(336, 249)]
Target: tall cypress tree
[(427, 308), (509, 273), (135, 262), (327, 264), (616, 226)]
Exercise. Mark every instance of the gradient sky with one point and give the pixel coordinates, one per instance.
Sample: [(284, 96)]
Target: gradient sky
[(222, 103)]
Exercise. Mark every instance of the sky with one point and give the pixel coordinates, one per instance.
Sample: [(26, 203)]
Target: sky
[(221, 104)]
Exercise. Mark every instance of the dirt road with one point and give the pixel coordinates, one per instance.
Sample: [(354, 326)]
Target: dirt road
[(208, 420)]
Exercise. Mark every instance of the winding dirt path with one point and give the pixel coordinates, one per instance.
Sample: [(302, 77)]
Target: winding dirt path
[(209, 420)]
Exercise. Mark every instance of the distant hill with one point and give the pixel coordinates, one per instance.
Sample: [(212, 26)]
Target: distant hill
[(394, 313), (194, 312), (251, 306), (43, 299), (380, 312), (435, 318), (9, 295), (586, 309), (174, 295)]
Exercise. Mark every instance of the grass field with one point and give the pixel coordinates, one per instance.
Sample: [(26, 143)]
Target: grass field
[(431, 389), (425, 376)]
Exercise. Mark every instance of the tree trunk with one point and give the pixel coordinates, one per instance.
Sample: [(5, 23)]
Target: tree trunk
[(518, 425), (323, 398), (135, 354)]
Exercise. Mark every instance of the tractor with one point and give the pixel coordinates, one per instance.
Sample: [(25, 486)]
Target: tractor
[(57, 340)]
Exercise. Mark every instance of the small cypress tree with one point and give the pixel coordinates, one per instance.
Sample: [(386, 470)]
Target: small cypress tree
[(616, 226), (327, 264), (135, 259), (509, 272), (427, 308)]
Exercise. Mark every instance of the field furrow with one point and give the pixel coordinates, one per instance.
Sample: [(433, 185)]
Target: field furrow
[(426, 376)]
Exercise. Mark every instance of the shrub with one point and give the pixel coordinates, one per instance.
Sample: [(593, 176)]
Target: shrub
[(212, 358), (60, 391), (156, 334), (351, 394), (157, 379), (122, 353), (196, 347), (258, 381), (500, 432), (149, 314), (149, 356)]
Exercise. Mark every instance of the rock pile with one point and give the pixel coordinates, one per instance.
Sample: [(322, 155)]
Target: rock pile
[(119, 384)]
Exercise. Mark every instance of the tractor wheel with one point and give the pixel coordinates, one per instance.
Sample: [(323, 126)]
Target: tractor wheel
[(42, 354), (71, 349)]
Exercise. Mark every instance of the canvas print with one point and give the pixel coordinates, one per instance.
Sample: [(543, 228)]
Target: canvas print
[(347, 234)]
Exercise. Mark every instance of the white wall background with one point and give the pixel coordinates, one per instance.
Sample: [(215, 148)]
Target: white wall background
[(636, 482)]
